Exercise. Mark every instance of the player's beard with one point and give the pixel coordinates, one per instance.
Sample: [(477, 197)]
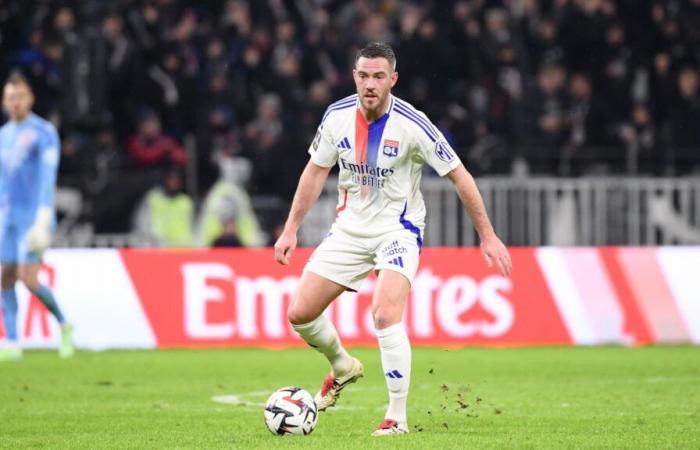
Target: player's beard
[(376, 102)]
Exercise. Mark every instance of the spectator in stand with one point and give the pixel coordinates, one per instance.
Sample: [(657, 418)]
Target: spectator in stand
[(166, 215), (544, 43), (615, 76), (590, 129), (227, 199), (150, 148), (662, 85), (685, 120), (218, 138), (229, 231), (124, 72), (639, 136), (267, 144), (542, 121)]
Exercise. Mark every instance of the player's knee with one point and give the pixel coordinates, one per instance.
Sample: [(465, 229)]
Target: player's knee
[(384, 317), (295, 315), (29, 282)]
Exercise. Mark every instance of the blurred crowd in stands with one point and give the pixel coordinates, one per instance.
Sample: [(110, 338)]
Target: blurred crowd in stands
[(157, 99)]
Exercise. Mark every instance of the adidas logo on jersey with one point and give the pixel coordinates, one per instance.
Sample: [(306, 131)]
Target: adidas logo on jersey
[(345, 144)]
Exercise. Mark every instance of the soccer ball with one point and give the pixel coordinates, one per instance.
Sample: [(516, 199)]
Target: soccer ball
[(291, 410)]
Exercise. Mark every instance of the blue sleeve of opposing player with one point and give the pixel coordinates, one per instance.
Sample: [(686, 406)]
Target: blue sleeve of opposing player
[(49, 151)]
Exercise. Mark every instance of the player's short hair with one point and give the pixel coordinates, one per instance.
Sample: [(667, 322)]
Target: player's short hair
[(377, 50), (16, 78)]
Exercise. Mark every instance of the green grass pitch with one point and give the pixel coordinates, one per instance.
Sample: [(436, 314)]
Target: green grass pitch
[(472, 398)]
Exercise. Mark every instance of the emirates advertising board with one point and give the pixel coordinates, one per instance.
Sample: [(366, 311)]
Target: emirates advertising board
[(238, 297)]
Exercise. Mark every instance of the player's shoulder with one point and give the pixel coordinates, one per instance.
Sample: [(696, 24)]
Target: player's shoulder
[(402, 105), (43, 125), (414, 120), (339, 108)]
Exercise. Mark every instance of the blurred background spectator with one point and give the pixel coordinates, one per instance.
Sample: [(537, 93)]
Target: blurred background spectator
[(165, 217), (227, 208), (554, 87)]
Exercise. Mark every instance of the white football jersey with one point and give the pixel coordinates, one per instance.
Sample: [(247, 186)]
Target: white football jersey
[(380, 165)]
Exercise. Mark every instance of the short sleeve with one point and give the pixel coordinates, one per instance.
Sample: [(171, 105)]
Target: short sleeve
[(433, 149), (322, 150)]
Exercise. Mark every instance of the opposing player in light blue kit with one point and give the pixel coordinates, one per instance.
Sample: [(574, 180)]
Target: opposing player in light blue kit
[(29, 154)]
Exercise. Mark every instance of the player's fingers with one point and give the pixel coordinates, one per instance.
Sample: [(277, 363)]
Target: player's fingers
[(487, 258), (499, 265), (288, 255), (279, 254), (509, 262), (504, 264)]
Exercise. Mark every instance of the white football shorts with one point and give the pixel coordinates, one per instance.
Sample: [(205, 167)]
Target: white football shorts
[(347, 260)]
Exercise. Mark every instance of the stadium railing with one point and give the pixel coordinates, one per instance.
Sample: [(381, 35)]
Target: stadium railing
[(530, 211), (552, 211)]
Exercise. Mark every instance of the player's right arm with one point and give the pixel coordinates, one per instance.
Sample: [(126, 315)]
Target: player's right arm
[(324, 155), (310, 185)]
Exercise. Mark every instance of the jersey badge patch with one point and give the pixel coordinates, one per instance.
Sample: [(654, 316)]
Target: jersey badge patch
[(442, 150), (390, 148)]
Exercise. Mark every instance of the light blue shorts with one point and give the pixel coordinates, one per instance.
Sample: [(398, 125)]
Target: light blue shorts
[(13, 246)]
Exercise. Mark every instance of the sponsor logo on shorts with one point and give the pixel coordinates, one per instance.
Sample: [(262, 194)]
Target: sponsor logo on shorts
[(398, 261), (394, 249)]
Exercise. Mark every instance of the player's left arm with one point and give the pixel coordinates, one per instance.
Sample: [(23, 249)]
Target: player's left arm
[(39, 236), (492, 248)]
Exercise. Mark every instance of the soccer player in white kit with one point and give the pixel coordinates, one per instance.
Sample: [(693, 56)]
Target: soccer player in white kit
[(380, 144)]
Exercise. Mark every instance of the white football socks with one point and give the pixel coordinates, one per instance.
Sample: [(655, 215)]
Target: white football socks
[(321, 334), (396, 362)]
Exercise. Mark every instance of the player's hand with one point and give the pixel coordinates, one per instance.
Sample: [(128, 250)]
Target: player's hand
[(285, 246), (494, 251), (39, 235)]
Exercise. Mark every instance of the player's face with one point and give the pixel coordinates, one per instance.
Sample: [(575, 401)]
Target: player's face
[(374, 78), (17, 100)]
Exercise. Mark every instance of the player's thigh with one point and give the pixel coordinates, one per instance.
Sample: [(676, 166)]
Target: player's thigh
[(396, 260), (312, 296), (339, 263), (389, 298), (343, 259)]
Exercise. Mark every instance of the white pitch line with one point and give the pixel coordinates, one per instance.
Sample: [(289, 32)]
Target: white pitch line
[(238, 399)]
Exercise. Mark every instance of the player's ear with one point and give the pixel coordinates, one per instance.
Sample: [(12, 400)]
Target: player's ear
[(394, 78)]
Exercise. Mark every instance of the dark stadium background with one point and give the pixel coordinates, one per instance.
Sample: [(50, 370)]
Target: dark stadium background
[(561, 88)]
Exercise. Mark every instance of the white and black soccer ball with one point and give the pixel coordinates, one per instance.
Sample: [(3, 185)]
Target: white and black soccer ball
[(291, 410)]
